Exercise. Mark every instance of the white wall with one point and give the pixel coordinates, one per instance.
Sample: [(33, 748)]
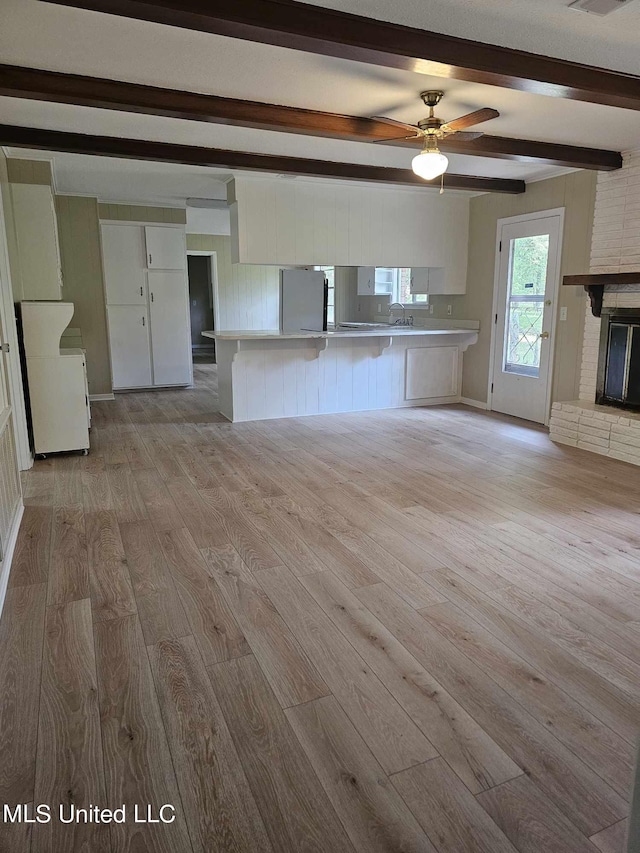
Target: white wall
[(248, 295), (615, 247), (202, 220), (306, 222)]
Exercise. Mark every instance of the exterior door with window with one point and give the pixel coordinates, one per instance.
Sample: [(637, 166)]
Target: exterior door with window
[(527, 285)]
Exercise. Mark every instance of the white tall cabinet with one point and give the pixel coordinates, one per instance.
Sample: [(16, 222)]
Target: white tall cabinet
[(147, 304), (37, 241)]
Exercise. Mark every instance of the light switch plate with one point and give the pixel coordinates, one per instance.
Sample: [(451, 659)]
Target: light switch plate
[(563, 314)]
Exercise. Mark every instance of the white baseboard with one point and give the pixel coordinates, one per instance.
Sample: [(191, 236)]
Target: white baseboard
[(10, 547), (477, 404), (95, 398)]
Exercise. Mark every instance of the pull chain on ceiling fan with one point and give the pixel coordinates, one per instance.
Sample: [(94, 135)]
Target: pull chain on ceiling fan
[(430, 162)]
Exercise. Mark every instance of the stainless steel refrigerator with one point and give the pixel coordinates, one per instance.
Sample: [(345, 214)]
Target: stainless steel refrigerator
[(303, 301)]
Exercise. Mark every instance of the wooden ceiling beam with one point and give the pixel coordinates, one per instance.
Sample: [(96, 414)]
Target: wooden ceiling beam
[(192, 155), (329, 32), (37, 84)]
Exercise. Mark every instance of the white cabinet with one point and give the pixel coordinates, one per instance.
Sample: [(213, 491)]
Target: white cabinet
[(147, 308), (130, 346), (57, 381), (419, 280), (432, 372), (165, 248), (169, 314), (436, 280), (37, 238), (366, 278), (124, 264)]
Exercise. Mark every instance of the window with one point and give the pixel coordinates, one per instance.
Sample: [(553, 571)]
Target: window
[(330, 275), (525, 304), (396, 283)]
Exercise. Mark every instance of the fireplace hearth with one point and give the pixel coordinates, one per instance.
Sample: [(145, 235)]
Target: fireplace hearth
[(618, 379)]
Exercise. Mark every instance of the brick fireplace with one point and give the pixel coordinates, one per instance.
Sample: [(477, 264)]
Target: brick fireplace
[(615, 248)]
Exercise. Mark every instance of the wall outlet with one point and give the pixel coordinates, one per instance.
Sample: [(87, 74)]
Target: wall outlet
[(379, 307), (449, 308), (563, 314)]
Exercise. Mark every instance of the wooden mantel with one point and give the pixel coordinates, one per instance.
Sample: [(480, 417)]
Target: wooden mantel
[(595, 284), (603, 278)]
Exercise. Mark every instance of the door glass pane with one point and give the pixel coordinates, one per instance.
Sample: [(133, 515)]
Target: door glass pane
[(525, 304)]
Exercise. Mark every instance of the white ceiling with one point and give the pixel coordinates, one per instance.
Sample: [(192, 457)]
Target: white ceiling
[(546, 27), (63, 39)]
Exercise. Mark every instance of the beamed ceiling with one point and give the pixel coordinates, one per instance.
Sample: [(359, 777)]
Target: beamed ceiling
[(280, 86)]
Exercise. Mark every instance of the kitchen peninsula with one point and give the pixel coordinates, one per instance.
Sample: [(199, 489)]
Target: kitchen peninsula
[(276, 375)]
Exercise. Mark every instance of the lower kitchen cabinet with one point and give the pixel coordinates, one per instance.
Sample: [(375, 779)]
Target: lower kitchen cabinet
[(130, 346), (170, 332), (151, 345)]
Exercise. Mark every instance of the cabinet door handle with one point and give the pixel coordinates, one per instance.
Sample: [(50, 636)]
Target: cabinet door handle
[(141, 291), (143, 321), (152, 297), (150, 259)]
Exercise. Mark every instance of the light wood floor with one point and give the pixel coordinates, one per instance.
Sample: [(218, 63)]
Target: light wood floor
[(410, 630)]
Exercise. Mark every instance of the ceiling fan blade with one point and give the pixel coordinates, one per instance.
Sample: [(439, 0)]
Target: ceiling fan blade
[(395, 123), (464, 135), (396, 138), (470, 119)]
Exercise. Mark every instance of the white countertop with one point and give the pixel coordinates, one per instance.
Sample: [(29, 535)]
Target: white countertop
[(248, 335)]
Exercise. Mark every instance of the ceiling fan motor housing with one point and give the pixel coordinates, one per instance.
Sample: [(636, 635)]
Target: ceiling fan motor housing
[(431, 125), (432, 97)]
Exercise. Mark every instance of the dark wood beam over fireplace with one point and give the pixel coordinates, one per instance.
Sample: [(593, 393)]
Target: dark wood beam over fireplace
[(329, 32)]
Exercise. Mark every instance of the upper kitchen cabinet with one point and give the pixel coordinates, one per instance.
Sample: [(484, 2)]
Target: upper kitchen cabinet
[(37, 238), (123, 252), (166, 248), (366, 278), (437, 280), (303, 223)]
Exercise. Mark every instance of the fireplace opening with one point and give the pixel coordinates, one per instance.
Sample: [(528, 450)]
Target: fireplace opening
[(619, 358)]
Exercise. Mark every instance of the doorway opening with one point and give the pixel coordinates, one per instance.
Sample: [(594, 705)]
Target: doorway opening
[(528, 253), (201, 307)]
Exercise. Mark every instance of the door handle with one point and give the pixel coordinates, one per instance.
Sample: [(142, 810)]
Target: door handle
[(543, 335)]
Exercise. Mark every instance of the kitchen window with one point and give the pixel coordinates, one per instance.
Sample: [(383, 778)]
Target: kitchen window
[(395, 282), (330, 275)]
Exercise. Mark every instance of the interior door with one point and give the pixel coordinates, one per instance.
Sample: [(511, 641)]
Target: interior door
[(528, 274), (166, 248), (170, 332), (124, 265), (130, 350)]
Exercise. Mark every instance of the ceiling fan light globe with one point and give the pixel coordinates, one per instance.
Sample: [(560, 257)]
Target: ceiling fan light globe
[(429, 164)]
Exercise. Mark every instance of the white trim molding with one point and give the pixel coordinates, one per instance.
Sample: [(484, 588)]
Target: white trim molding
[(9, 552), (476, 404)]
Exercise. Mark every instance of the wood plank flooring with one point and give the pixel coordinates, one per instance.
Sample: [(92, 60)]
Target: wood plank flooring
[(411, 630)]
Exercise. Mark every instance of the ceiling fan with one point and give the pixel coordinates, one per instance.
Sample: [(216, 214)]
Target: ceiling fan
[(430, 162)]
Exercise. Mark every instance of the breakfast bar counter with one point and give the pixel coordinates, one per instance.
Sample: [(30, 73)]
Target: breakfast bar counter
[(269, 374)]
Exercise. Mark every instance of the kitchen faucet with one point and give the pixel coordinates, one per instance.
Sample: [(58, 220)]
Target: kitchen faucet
[(404, 321)]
